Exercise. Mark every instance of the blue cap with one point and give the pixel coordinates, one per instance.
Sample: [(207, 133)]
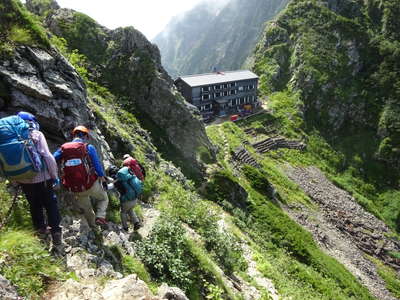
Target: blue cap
[(30, 119), (26, 116)]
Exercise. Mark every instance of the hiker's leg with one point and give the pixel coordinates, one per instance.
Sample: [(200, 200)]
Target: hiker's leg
[(101, 199), (35, 205), (124, 215), (49, 201), (132, 215), (84, 204)]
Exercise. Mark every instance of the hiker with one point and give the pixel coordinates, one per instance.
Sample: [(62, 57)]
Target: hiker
[(135, 167), (39, 190), (129, 188), (83, 174)]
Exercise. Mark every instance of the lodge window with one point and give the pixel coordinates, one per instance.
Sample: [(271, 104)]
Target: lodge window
[(217, 87), (205, 89), (217, 95), (233, 92), (225, 85), (225, 93), (233, 84), (206, 97)]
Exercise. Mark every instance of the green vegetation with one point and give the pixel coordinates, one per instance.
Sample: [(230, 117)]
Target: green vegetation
[(27, 264), (196, 237), (309, 273), (166, 254), (24, 260), (84, 34), (19, 27), (390, 276)]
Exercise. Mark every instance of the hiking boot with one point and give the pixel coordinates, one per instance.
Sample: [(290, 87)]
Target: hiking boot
[(43, 233), (57, 239), (137, 225), (101, 221)]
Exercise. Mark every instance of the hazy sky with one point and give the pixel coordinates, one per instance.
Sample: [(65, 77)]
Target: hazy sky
[(148, 16)]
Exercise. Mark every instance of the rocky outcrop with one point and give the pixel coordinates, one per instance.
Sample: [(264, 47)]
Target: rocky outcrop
[(45, 84), (130, 66), (128, 288), (7, 290), (40, 8), (171, 293)]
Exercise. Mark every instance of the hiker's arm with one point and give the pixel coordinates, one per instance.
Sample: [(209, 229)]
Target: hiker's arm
[(57, 155), (95, 161), (48, 157), (142, 169)]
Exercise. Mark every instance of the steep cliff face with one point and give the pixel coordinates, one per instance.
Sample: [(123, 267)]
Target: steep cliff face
[(341, 57), (129, 66), (224, 38), (36, 78), (44, 83)]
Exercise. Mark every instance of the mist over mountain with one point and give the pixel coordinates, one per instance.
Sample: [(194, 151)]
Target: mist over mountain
[(220, 35)]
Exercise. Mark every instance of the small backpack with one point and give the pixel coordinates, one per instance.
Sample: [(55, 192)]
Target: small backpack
[(136, 167), (76, 167), (19, 157), (133, 186)]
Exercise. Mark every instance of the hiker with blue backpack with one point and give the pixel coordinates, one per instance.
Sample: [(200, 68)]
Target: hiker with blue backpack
[(129, 188), (25, 159)]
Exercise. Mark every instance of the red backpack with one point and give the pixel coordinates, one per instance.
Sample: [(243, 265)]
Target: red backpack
[(133, 164), (77, 172)]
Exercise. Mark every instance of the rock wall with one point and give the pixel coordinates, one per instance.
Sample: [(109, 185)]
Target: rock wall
[(124, 61), (44, 83)]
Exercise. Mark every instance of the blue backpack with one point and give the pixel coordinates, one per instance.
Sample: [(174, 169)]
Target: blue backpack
[(133, 186), (19, 158)]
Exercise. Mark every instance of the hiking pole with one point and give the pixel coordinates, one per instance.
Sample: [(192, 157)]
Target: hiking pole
[(8, 214)]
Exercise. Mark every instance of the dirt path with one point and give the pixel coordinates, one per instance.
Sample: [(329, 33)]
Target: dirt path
[(343, 229)]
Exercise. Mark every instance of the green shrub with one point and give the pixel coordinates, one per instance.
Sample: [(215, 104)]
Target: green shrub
[(223, 188), (166, 255), (18, 26), (225, 248), (258, 180)]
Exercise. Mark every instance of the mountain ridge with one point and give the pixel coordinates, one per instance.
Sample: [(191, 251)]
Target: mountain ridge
[(223, 41)]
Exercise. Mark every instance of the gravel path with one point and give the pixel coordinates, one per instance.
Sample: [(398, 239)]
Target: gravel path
[(343, 229)]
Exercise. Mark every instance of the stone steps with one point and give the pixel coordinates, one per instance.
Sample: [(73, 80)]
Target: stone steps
[(277, 142), (242, 156)]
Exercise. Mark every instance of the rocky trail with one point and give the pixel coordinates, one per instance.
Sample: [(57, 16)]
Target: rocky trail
[(92, 260), (344, 230), (98, 268)]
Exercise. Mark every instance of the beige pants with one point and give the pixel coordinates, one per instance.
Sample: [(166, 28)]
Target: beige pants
[(85, 204), (128, 213)]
